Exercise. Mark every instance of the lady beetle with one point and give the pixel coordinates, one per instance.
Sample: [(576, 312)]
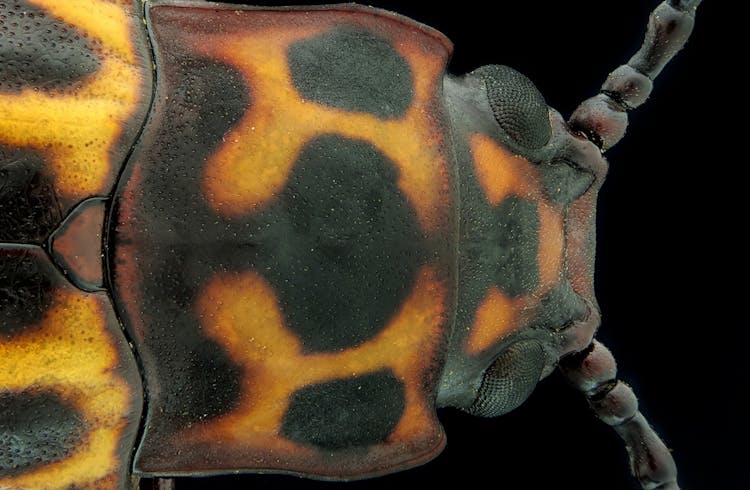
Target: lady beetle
[(312, 235)]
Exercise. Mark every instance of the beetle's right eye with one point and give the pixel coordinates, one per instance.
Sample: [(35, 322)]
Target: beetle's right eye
[(509, 380), (518, 106)]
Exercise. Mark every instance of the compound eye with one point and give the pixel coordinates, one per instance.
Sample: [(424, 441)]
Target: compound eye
[(509, 381), (517, 105)]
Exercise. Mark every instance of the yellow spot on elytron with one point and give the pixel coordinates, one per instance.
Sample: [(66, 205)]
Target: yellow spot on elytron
[(253, 164), (70, 353), (499, 172), (75, 129), (241, 312)]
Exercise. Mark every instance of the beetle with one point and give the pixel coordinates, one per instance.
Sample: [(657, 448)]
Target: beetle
[(65, 248)]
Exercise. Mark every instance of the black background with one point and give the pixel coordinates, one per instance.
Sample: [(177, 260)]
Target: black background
[(670, 276)]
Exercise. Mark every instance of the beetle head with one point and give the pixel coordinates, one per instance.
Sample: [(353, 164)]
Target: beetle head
[(527, 187)]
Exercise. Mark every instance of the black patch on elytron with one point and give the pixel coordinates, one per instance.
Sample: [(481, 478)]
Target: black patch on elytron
[(41, 52), (29, 210), (518, 106), (26, 291), (561, 307), (564, 182), (352, 70), (346, 413), (36, 429), (180, 240), (340, 246)]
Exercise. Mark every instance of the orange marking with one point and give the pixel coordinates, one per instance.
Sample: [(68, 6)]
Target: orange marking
[(77, 128), (253, 164), (499, 172), (502, 174), (241, 312), (71, 353), (551, 244), (494, 319)]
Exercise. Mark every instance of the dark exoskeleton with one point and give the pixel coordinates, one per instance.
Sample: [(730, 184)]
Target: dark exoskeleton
[(286, 246)]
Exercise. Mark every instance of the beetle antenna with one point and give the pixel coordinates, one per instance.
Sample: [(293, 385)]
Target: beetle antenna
[(603, 118), (593, 371)]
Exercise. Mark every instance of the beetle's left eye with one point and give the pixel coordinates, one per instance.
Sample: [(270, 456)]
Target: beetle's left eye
[(518, 106), (509, 381)]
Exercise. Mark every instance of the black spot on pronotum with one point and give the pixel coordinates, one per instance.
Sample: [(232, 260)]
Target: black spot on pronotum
[(205, 99), (39, 51), (518, 106), (36, 429), (354, 70), (29, 209), (26, 291), (512, 246), (346, 413), (208, 385), (499, 246), (177, 243), (342, 244)]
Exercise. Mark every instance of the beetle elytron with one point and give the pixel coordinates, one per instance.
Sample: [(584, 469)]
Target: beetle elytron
[(311, 235)]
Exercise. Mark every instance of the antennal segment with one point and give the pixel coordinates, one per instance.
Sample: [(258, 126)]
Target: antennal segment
[(593, 372), (603, 118)]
